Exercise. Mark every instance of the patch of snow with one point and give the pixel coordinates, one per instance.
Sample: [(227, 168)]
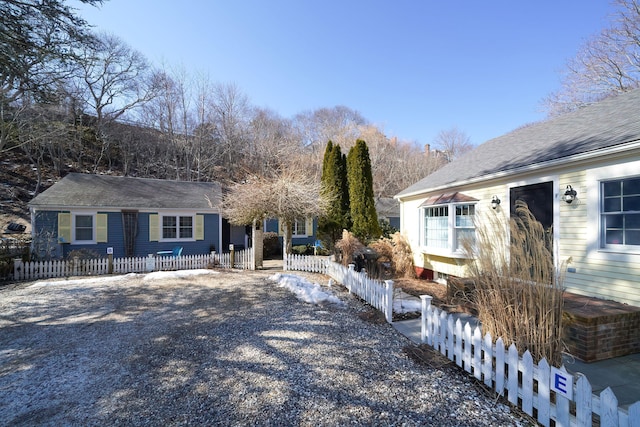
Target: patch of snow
[(409, 305), (83, 281), (303, 289), (97, 280), (179, 274)]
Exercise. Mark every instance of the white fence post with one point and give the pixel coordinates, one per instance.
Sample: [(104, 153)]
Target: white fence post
[(389, 301), (426, 305)]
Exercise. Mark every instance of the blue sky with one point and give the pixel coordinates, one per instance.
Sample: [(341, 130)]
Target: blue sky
[(412, 67)]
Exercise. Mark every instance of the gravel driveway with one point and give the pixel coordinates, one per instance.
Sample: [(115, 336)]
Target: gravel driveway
[(225, 348)]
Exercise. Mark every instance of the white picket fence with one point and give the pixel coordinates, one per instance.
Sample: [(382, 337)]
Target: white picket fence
[(92, 267), (526, 384), (309, 263), (377, 293)]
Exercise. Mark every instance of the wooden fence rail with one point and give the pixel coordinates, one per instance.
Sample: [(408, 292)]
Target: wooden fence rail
[(526, 385), (93, 267)]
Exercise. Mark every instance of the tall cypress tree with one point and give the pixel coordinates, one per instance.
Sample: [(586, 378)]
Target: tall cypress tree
[(334, 187), (362, 206)]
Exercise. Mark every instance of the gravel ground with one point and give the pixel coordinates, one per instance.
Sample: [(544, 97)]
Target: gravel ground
[(226, 348)]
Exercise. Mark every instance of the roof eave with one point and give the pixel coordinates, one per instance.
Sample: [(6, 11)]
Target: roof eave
[(119, 208), (590, 155)]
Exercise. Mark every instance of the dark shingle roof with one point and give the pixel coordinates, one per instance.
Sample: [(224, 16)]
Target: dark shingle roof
[(605, 124), (104, 191)]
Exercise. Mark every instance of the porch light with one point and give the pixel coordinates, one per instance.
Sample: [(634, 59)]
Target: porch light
[(570, 194), (495, 202)]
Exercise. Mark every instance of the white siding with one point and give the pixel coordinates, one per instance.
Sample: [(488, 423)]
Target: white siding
[(594, 271), (410, 223)]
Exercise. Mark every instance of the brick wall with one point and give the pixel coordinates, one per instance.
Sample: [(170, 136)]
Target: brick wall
[(596, 329)]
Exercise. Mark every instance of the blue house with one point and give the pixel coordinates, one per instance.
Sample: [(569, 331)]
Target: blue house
[(131, 216), (303, 231)]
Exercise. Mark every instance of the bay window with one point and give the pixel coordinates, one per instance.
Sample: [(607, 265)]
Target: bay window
[(447, 226)]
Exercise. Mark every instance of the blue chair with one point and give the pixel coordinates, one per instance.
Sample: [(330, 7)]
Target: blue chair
[(175, 252)]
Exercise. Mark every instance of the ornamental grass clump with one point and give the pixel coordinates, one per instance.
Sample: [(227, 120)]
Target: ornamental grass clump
[(397, 250), (348, 246), (517, 287)]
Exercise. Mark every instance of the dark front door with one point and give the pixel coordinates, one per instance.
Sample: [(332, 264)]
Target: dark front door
[(129, 232), (539, 198)]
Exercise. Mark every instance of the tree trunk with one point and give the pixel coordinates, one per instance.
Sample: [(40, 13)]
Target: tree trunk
[(286, 237), (258, 243)]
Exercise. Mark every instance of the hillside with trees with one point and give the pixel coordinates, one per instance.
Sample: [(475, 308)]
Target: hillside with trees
[(75, 101)]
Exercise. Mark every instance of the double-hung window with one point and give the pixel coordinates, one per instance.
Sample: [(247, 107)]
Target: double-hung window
[(436, 227), (620, 213), (177, 227), (448, 224), (299, 227), (83, 228), (465, 230)]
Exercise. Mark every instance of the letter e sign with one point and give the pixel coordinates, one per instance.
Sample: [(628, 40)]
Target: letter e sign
[(562, 383)]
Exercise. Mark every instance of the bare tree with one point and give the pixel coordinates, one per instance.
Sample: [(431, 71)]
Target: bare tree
[(272, 143), (203, 155), (41, 128), (287, 196), (339, 124), (452, 143), (608, 63), (231, 111), (113, 79)]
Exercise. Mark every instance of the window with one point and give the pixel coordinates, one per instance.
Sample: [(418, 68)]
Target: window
[(436, 227), (299, 227), (83, 228), (446, 226), (465, 229), (176, 227), (620, 212)]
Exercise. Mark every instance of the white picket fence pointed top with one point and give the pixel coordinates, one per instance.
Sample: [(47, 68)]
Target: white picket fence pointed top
[(377, 293), (526, 385), (93, 267), (537, 389)]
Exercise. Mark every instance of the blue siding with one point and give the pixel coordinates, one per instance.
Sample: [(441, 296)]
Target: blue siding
[(394, 221), (46, 225), (47, 222), (272, 226)]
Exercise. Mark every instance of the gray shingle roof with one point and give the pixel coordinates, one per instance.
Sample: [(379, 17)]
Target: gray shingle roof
[(104, 191), (605, 124), (388, 207)]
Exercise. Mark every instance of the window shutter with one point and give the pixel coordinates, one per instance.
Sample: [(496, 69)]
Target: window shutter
[(199, 232), (64, 227), (101, 228), (280, 227), (309, 226), (154, 228)]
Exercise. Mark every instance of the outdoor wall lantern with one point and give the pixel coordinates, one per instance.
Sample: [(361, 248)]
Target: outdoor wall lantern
[(495, 202), (570, 194)]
